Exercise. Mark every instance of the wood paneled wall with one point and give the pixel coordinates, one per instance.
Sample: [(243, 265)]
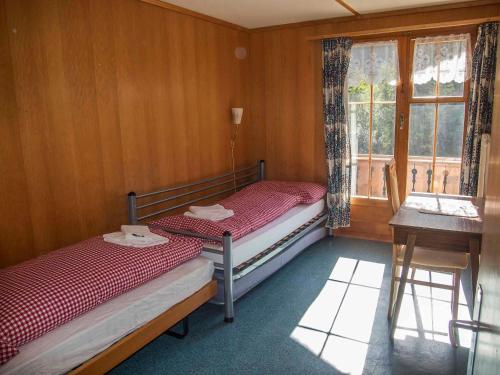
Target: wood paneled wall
[(98, 98), (286, 97)]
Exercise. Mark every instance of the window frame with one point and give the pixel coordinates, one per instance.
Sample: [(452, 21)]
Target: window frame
[(401, 131), (363, 198), (436, 100)]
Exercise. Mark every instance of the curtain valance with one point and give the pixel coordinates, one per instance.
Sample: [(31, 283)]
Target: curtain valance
[(444, 58), (374, 63)]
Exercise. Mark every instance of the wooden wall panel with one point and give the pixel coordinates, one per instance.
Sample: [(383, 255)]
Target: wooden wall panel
[(286, 93), (102, 97), (16, 208)]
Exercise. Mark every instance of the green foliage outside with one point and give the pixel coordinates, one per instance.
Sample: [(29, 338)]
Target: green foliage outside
[(383, 117), (422, 118)]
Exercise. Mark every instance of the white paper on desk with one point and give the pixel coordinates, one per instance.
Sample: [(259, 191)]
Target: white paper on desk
[(443, 206)]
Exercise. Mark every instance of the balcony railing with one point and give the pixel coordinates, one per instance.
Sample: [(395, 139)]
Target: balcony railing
[(420, 177)]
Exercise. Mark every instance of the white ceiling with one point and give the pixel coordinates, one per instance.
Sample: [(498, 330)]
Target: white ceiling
[(373, 6), (260, 13)]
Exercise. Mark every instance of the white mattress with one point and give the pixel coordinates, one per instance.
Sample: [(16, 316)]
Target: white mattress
[(73, 343), (254, 243)]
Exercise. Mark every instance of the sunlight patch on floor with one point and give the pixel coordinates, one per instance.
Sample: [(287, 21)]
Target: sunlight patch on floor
[(322, 311), (337, 326), (310, 339), (343, 269), (345, 355), (426, 312), (369, 274), (356, 316)]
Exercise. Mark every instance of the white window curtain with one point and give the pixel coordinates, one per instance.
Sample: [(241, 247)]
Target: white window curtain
[(445, 57), (373, 63)]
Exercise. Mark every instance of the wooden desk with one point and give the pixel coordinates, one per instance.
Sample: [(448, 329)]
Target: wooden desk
[(446, 233)]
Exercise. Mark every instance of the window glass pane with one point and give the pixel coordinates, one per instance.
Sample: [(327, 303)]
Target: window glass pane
[(421, 138), (384, 91), (449, 147), (450, 130), (452, 60), (359, 93), (441, 62), (424, 70), (386, 73), (421, 147), (359, 125), (384, 116), (372, 79)]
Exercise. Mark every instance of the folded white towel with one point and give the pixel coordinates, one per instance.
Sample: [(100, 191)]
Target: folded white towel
[(134, 240), (141, 230), (207, 209), (212, 216), (212, 213)]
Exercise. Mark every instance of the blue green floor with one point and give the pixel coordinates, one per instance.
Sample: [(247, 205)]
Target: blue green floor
[(323, 313)]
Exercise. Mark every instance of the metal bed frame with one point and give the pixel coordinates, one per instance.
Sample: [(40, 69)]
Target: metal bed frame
[(247, 176)]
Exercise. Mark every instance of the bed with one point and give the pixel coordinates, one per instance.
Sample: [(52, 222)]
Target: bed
[(242, 258), (141, 294)]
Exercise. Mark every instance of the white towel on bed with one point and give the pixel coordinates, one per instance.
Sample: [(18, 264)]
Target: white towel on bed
[(142, 230), (207, 209), (131, 240), (212, 213)]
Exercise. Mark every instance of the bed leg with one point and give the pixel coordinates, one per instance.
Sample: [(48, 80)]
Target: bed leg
[(185, 330), (228, 277)]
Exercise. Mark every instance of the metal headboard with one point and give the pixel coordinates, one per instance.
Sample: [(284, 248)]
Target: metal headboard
[(244, 176)]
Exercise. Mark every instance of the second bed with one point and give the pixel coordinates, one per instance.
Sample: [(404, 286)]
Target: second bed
[(274, 221)]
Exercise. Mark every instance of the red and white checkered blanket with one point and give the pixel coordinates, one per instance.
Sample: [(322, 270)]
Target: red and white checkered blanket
[(38, 295), (254, 206)]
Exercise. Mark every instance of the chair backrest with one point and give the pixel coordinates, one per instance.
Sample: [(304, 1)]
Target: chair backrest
[(391, 181)]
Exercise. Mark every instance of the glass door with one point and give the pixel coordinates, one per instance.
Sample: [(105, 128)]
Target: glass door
[(437, 112), (373, 79), (407, 100)]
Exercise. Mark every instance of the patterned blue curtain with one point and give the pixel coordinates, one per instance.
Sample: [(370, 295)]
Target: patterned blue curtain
[(336, 56), (480, 104)]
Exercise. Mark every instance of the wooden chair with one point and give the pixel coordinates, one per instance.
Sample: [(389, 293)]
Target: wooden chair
[(427, 259)]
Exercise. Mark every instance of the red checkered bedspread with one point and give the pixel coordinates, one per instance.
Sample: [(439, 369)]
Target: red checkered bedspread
[(254, 206), (38, 295)]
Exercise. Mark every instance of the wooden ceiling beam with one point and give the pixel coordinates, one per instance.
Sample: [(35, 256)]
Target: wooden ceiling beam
[(348, 7), (409, 28)]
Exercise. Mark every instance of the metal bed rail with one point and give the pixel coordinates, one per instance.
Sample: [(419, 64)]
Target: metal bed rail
[(226, 240), (134, 209)]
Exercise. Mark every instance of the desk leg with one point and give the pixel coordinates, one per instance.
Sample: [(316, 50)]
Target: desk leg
[(410, 244), (474, 264)]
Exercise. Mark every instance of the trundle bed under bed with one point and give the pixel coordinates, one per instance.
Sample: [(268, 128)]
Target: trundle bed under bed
[(85, 308), (241, 261)]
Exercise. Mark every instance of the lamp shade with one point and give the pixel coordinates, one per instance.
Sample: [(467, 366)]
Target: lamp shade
[(237, 114)]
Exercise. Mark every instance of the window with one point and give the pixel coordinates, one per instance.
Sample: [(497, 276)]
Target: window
[(436, 82), (437, 113), (372, 79)]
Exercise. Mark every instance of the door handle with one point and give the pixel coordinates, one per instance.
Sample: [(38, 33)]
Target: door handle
[(401, 121)]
